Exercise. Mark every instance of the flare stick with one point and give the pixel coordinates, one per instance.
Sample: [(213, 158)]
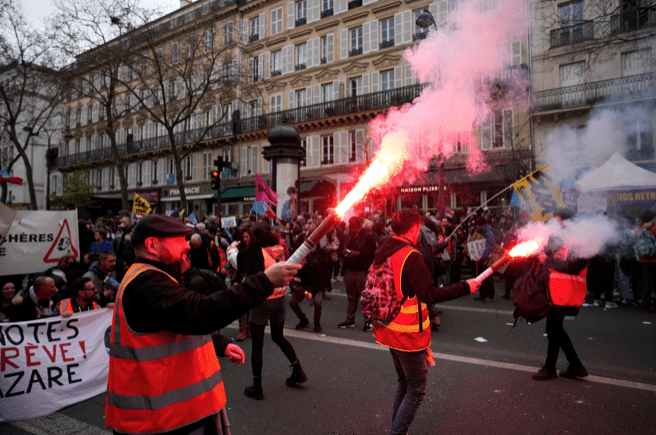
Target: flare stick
[(490, 270), (313, 240)]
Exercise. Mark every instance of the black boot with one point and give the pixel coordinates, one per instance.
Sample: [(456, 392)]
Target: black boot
[(255, 391), (298, 376)]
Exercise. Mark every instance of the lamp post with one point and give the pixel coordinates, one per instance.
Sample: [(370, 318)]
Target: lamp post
[(30, 131), (424, 20)]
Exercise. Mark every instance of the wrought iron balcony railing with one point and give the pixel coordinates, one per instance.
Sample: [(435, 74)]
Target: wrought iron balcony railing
[(420, 35), (626, 88), (254, 37), (354, 4), (386, 44), (355, 52), (327, 13), (300, 22), (300, 66), (632, 19), (579, 32), (344, 106)]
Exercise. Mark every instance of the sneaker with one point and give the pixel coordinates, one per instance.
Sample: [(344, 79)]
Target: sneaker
[(317, 327), (345, 325), (597, 302), (610, 305), (571, 372), (303, 323), (254, 392), (544, 374), (368, 326)]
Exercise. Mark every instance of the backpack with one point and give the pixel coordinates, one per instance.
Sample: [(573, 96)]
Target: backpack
[(532, 301), (645, 245), (379, 300)]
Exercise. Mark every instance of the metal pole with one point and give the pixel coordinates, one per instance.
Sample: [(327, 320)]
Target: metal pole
[(48, 175)]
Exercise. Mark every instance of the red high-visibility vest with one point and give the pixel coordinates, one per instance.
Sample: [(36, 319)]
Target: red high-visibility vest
[(404, 332), (567, 290), (159, 381), (66, 306)]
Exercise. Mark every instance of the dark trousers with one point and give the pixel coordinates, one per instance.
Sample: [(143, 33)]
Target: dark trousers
[(298, 296), (412, 373), (487, 286), (354, 282), (601, 276), (558, 339), (648, 283)]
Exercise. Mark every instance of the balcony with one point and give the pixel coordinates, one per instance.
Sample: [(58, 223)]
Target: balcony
[(420, 35), (572, 34), (276, 73), (300, 66), (632, 19), (345, 106), (300, 22), (324, 60), (387, 44), (355, 52), (354, 4), (254, 37), (627, 88), (327, 13)]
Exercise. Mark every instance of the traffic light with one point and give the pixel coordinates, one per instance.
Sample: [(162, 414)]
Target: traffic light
[(216, 174)]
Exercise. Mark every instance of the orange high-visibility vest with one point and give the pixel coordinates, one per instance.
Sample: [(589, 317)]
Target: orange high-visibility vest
[(66, 306), (567, 290), (159, 381), (405, 332), (273, 254)]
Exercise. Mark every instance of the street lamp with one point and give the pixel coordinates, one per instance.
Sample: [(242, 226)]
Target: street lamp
[(425, 20), (30, 131)]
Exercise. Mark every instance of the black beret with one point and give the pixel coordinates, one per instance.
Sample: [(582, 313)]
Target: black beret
[(158, 225)]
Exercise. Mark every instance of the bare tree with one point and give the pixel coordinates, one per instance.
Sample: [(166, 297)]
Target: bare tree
[(94, 35), (29, 90)]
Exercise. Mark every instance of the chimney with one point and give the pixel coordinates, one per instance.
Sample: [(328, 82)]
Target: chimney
[(184, 3)]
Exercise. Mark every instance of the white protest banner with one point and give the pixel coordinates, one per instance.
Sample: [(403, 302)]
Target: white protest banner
[(228, 221), (476, 249), (51, 363), (6, 218), (37, 240)]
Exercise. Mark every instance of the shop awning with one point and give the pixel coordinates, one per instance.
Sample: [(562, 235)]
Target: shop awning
[(235, 194), (306, 186)]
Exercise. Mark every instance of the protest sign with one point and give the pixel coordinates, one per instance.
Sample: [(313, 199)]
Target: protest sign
[(51, 363), (228, 222), (37, 240), (476, 249)]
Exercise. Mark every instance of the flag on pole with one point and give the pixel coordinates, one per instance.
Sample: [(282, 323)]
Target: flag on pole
[(263, 192), (174, 214), (4, 176), (192, 218), (140, 205), (540, 194), (259, 207)]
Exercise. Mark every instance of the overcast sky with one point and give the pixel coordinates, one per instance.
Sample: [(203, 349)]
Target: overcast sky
[(37, 10)]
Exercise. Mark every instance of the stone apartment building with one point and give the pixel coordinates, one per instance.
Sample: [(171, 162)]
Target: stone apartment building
[(325, 66)]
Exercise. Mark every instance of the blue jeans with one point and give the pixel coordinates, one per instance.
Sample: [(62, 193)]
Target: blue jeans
[(412, 370)]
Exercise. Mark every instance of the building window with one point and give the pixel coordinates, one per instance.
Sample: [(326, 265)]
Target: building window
[(188, 165), (228, 32), (355, 86), (154, 172), (208, 40), (356, 42), (640, 139), (498, 130), (139, 174), (387, 33), (300, 98), (516, 53), (327, 93), (327, 8), (419, 32), (208, 164), (352, 146), (637, 62), (304, 146), (301, 56), (387, 80), (276, 21), (255, 29), (301, 13), (276, 63), (174, 53), (327, 150), (275, 104)]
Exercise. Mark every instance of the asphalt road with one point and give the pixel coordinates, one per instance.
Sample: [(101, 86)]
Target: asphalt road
[(476, 387)]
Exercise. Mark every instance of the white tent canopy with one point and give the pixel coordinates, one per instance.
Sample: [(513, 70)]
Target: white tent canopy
[(617, 174)]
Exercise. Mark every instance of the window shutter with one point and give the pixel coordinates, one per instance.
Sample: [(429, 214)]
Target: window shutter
[(432, 8), (262, 26), (308, 96), (359, 147), (105, 178), (84, 116), (267, 65), (243, 161), (330, 48), (398, 77), (407, 26), (408, 75), (147, 165), (94, 143), (132, 175), (316, 152), (343, 44), (317, 52), (487, 132), (337, 86), (313, 11), (343, 6), (374, 82), (373, 38), (508, 127), (255, 155), (341, 149), (309, 61), (365, 84), (260, 66), (244, 31), (317, 94), (291, 100), (365, 37), (290, 15), (398, 29), (194, 167), (83, 145), (266, 165), (250, 70)]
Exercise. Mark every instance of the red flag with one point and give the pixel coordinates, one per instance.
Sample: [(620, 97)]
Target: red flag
[(263, 192), (15, 180)]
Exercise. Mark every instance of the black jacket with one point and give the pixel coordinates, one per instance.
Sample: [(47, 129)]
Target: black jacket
[(365, 244), (415, 278), (153, 302)]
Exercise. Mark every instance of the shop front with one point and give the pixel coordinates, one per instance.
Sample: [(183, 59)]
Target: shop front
[(196, 196)]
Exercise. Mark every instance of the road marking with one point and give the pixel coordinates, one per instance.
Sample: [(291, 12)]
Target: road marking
[(58, 423), (456, 358)]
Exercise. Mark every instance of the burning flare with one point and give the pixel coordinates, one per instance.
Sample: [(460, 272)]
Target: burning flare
[(525, 249), (388, 162)]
